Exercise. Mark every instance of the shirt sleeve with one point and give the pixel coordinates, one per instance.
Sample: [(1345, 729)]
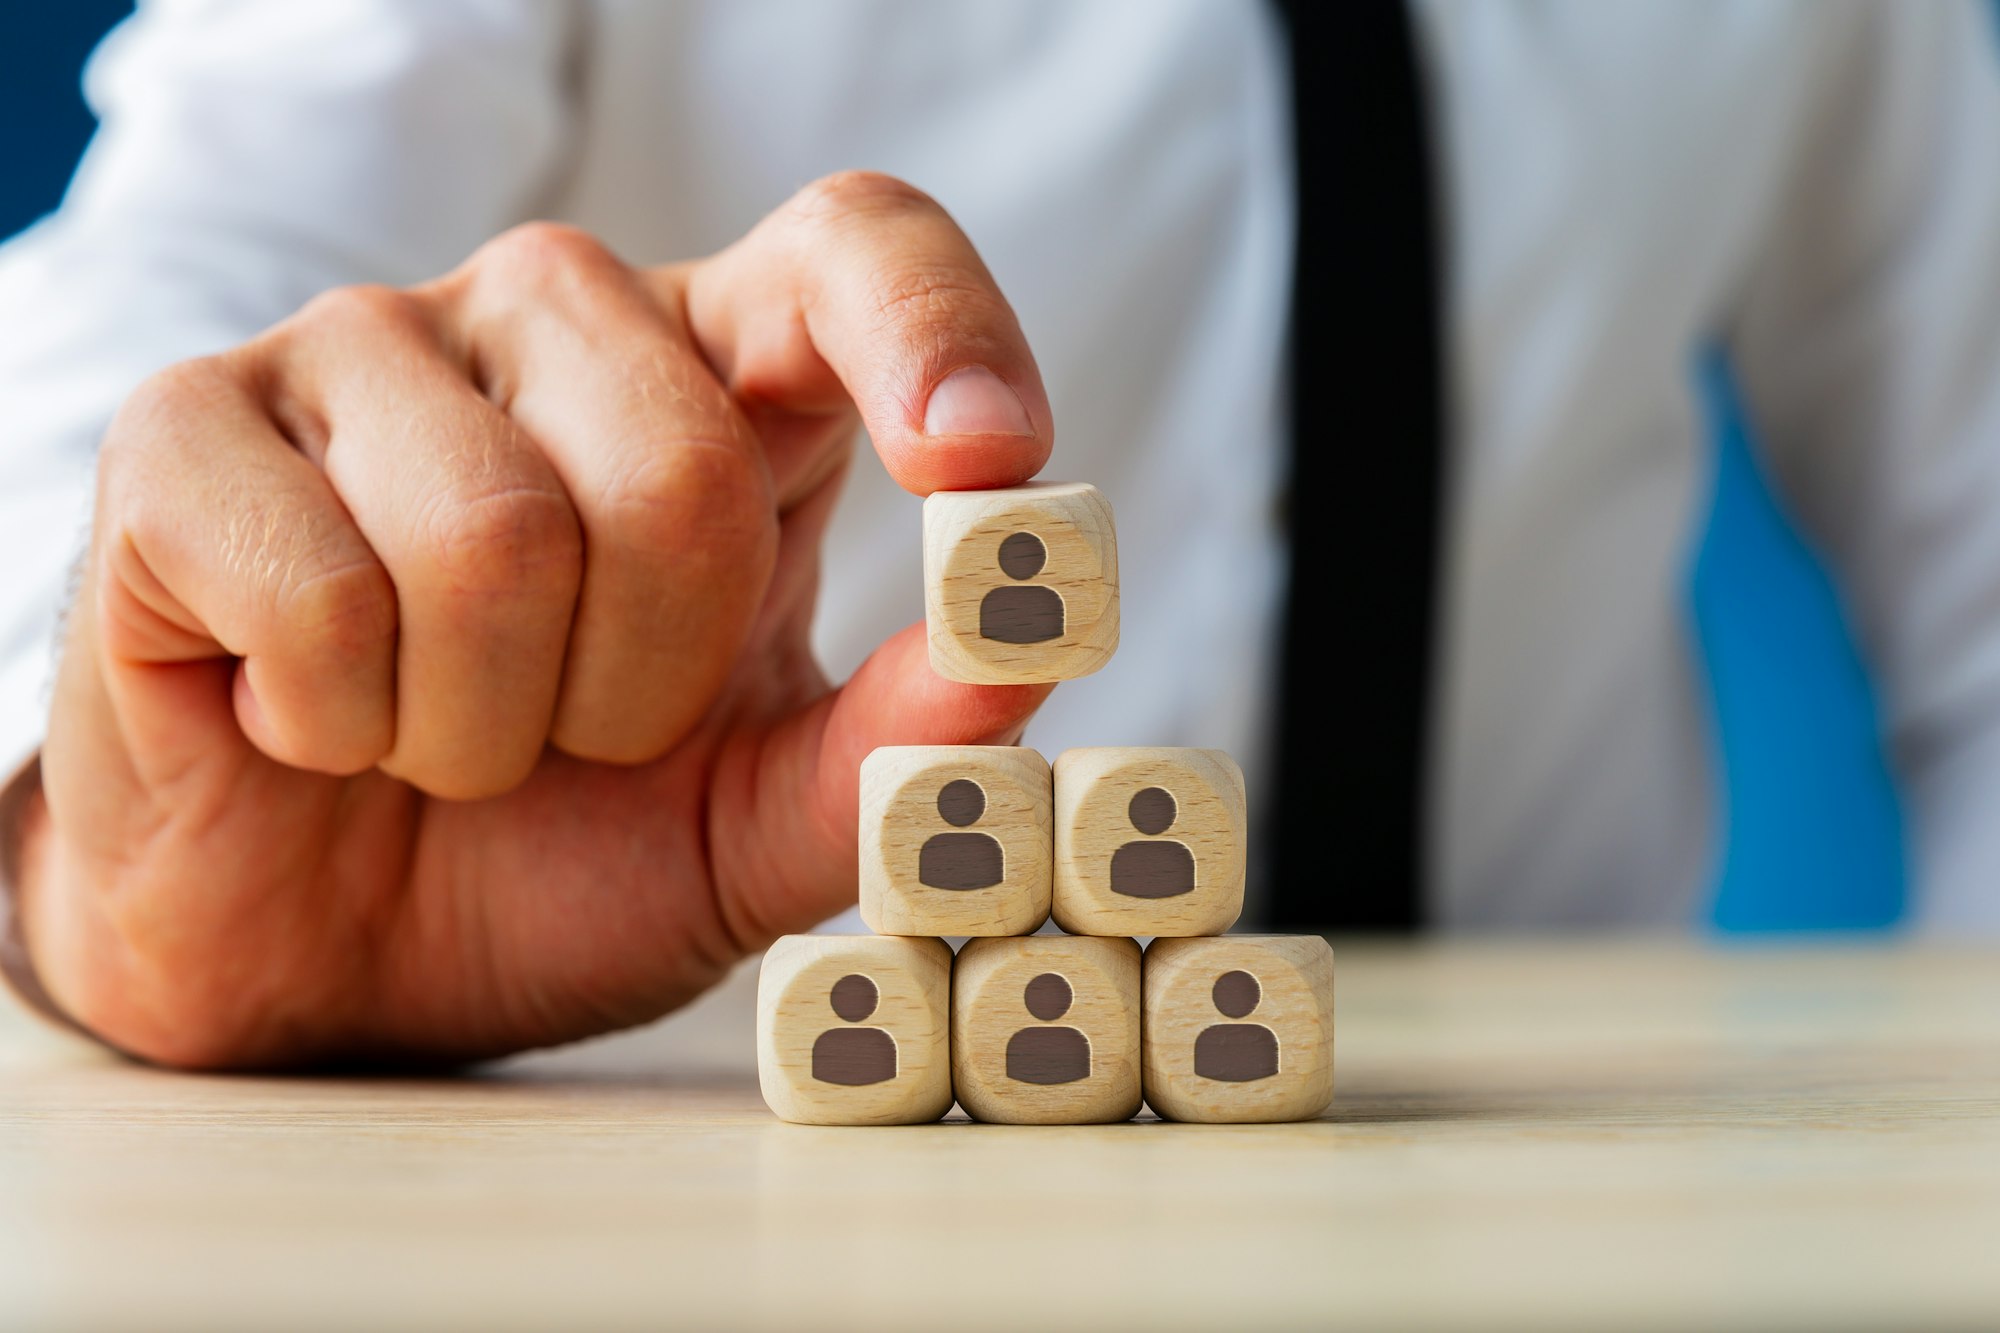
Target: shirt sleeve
[(1868, 348), (250, 155)]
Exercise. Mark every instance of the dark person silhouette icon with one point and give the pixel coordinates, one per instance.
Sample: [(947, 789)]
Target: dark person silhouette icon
[(1048, 1055), (961, 860), (854, 1057), (1021, 612), (1236, 1052), (1152, 869)]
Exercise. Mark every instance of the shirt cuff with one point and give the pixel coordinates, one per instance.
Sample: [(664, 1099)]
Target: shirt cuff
[(17, 968)]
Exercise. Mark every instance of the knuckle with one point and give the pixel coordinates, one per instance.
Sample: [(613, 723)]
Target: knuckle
[(543, 256), (363, 309), (700, 495), (846, 192), (165, 401), (933, 283), (523, 540), (348, 612), (930, 296), (137, 460)]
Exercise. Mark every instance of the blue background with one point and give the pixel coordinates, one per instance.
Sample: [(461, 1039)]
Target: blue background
[(1811, 831)]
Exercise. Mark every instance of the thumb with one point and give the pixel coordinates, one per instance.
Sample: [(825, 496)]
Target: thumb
[(864, 289), (791, 859)]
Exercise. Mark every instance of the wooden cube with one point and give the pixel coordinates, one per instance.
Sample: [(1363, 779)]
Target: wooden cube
[(1149, 841), (1239, 1028), (1045, 1030), (855, 1029), (1020, 585), (955, 840)]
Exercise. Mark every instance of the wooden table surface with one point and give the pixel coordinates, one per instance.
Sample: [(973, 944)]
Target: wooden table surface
[(1537, 1136)]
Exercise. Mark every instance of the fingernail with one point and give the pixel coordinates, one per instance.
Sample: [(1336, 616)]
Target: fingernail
[(972, 400)]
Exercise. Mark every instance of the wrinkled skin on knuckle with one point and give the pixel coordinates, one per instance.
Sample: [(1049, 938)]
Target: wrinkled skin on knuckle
[(927, 299), (517, 541), (692, 498), (700, 514), (728, 531), (937, 311), (345, 613), (730, 543), (928, 296)]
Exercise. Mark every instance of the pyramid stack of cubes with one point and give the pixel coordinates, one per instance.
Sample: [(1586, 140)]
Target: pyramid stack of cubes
[(987, 843)]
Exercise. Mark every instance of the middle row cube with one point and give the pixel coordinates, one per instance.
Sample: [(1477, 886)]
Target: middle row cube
[(989, 840)]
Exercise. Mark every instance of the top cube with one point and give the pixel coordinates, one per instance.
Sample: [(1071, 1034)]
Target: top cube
[(1020, 585)]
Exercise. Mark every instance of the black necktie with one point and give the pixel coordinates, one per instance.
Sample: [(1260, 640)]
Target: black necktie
[(1367, 431)]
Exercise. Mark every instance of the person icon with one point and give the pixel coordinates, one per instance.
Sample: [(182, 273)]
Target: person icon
[(1152, 869), (961, 860), (1048, 1054), (1021, 612), (1236, 1052), (854, 1057)]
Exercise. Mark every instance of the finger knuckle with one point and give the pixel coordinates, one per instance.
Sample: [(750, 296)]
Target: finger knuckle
[(362, 310), (695, 496), (522, 540), (847, 194), (544, 256), (165, 402), (155, 422), (930, 297), (347, 612)]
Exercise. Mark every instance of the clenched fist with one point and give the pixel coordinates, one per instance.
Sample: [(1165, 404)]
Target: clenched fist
[(439, 683)]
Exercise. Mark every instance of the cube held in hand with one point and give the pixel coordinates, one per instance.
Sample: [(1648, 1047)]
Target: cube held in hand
[(1020, 585)]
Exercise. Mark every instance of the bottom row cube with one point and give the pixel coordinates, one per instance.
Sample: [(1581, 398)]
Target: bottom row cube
[(1045, 1029)]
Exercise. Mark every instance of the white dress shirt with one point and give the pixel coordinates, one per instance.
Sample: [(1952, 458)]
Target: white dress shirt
[(1816, 185)]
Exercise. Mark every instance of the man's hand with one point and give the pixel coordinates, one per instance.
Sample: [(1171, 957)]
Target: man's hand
[(439, 684)]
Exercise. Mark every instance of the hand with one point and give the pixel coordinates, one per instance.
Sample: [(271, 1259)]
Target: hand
[(439, 682)]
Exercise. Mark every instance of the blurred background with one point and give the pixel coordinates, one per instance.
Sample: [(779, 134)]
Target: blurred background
[(1808, 798)]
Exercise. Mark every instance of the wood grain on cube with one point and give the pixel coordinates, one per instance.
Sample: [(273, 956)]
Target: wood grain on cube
[(1150, 840), (955, 840), (1045, 1030), (1239, 1028), (855, 1029), (1020, 585)]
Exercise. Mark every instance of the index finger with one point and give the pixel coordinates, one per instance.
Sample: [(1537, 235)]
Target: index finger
[(861, 288)]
